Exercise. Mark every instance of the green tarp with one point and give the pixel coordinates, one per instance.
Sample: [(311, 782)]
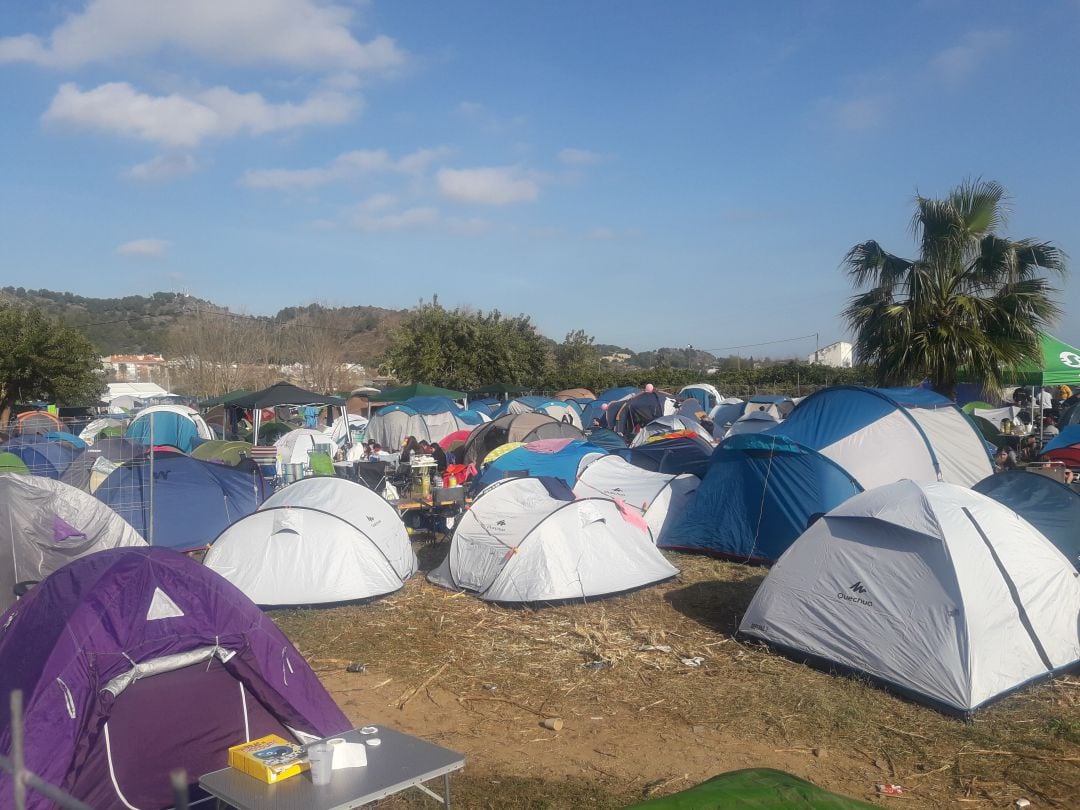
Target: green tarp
[(415, 390), (1060, 366), (755, 789)]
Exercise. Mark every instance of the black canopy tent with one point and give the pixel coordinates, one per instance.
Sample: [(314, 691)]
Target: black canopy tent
[(284, 393)]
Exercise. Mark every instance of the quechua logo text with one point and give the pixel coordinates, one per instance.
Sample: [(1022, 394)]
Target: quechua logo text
[(857, 590)]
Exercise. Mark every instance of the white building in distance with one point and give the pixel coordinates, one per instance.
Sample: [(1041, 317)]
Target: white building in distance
[(836, 355)]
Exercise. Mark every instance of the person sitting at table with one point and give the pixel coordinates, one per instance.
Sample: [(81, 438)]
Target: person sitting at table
[(1004, 460), (410, 448), (435, 451)]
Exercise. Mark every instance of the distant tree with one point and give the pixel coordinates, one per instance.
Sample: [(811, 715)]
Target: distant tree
[(463, 349), (42, 359), (577, 360), (971, 299)]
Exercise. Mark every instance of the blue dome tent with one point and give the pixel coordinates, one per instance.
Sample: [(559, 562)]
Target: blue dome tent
[(193, 500), (757, 497)]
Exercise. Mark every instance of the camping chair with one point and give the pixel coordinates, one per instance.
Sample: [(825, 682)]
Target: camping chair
[(266, 456), (372, 474), (321, 464)]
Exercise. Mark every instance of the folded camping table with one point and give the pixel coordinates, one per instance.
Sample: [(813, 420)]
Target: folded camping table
[(399, 762)]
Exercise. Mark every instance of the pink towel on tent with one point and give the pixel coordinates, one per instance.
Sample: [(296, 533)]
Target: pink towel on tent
[(551, 446), (630, 515)]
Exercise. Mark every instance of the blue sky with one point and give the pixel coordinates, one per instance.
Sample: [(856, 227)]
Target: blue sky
[(654, 173)]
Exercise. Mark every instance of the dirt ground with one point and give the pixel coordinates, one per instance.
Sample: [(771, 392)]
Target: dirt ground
[(656, 696)]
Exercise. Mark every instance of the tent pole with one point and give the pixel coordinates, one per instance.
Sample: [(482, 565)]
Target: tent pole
[(150, 516)]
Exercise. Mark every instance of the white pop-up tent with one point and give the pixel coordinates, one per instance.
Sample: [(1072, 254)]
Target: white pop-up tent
[(659, 497), (530, 540), (45, 524), (930, 588), (317, 541)]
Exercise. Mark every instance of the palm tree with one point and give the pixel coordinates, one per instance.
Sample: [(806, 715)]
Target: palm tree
[(972, 300)]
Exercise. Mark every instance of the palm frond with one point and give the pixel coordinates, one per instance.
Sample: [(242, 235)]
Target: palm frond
[(869, 264), (981, 205)]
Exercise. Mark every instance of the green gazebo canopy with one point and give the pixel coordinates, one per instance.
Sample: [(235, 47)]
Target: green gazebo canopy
[(415, 390), (1060, 366)]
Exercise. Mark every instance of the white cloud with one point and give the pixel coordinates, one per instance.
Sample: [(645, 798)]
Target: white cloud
[(580, 157), (601, 233), (367, 217), (490, 185), (180, 121), (857, 114), (480, 115), (468, 226), (300, 34), (163, 167), (144, 248), (959, 62), (344, 167)]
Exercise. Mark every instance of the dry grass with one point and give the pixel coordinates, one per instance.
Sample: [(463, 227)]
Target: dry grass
[(629, 656)]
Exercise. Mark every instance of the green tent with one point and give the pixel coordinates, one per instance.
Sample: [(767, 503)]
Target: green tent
[(11, 463), (415, 390), (977, 404), (230, 453), (1060, 366), (755, 789)]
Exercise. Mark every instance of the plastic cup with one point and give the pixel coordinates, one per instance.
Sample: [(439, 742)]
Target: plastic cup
[(321, 757)]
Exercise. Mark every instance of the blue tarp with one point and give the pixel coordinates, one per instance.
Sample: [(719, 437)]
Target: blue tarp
[(685, 454), (41, 457), (194, 501), (1051, 507), (523, 462), (757, 497), (170, 428)]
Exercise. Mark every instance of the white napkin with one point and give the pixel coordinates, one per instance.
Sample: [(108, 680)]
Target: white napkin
[(347, 754)]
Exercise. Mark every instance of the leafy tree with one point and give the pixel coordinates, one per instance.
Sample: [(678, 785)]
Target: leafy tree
[(464, 349), (971, 299), (41, 358), (577, 361)]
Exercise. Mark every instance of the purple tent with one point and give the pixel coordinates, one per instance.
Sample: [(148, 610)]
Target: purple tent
[(137, 661)]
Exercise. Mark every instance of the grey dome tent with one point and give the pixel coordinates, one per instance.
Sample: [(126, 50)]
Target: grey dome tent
[(45, 524), (929, 588), (317, 541), (529, 540)]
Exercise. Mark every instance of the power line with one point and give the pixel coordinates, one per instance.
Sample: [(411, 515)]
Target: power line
[(765, 343)]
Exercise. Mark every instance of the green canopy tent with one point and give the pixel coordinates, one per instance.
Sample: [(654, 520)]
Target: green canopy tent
[(415, 390), (499, 390), (284, 393), (755, 789), (1060, 366), (224, 401)]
